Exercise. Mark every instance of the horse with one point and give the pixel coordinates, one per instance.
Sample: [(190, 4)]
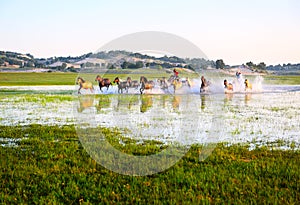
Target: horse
[(145, 84), (103, 82), (248, 85), (84, 84), (228, 87), (121, 85), (132, 83), (175, 82), (204, 85), (164, 84)]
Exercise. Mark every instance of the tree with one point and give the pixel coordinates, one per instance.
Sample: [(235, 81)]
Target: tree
[(139, 64), (64, 65), (112, 67), (250, 64), (261, 66), (220, 64), (125, 65), (1, 61)]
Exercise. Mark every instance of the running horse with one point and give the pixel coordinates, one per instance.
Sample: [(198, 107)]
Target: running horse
[(145, 84), (175, 82), (248, 85), (121, 85), (132, 83), (228, 87), (204, 85), (103, 82), (164, 84), (84, 84)]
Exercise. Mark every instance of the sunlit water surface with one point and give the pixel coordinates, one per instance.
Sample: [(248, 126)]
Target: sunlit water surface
[(271, 115)]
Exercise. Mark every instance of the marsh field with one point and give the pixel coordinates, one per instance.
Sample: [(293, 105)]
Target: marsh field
[(243, 148)]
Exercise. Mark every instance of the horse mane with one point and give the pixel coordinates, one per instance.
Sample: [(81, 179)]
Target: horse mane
[(83, 81), (145, 79)]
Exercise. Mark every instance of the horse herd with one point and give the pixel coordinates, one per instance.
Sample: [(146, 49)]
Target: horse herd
[(143, 84)]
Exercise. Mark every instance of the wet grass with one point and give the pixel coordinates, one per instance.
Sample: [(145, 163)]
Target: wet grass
[(50, 166), (36, 98)]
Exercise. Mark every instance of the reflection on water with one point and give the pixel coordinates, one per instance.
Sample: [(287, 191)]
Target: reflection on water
[(228, 98), (85, 101), (247, 98), (103, 102), (176, 102), (146, 102), (181, 118), (170, 118), (203, 101)]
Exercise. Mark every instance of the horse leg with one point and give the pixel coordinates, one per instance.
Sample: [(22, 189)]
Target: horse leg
[(92, 89)]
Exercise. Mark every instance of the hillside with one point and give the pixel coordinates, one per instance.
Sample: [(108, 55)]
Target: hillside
[(112, 60), (120, 61)]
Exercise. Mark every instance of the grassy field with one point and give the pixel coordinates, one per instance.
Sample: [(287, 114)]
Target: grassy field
[(19, 79), (49, 166), (282, 79)]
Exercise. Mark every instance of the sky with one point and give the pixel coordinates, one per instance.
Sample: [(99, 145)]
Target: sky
[(237, 31)]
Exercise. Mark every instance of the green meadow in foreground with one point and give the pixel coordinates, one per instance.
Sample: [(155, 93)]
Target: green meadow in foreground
[(50, 166), (20, 79)]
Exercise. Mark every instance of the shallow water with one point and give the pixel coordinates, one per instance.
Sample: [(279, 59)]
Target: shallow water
[(269, 116)]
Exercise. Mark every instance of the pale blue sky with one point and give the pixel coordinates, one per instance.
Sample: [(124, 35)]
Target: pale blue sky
[(236, 31)]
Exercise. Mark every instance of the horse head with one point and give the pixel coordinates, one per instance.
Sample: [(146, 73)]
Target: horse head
[(116, 80), (80, 80), (98, 78), (143, 79)]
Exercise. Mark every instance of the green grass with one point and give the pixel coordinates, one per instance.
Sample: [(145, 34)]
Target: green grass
[(282, 79), (50, 166), (9, 79), (18, 79)]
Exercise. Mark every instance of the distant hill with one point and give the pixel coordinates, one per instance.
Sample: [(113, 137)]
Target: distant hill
[(102, 60), (123, 60)]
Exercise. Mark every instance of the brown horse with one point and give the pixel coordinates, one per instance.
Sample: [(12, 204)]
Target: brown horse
[(103, 82), (164, 84), (228, 87), (204, 85), (84, 84), (121, 85), (132, 83), (145, 84)]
